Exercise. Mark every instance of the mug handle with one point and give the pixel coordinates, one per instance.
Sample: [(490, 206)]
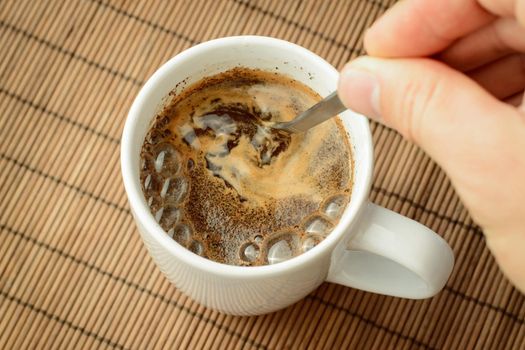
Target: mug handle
[(393, 255)]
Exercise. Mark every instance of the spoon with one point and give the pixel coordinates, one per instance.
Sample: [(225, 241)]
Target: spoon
[(322, 111)]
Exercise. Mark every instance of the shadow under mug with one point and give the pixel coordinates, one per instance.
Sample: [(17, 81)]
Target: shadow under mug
[(372, 248)]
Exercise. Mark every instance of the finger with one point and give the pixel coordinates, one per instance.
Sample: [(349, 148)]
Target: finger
[(502, 78), (515, 100), (490, 43), (423, 27)]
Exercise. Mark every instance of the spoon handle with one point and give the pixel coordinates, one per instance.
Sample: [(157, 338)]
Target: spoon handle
[(318, 113)]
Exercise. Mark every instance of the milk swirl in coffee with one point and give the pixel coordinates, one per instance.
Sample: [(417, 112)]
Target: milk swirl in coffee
[(226, 186)]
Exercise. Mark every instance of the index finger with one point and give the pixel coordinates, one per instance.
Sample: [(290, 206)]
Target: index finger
[(415, 28)]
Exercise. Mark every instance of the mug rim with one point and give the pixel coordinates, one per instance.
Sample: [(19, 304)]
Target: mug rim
[(143, 214)]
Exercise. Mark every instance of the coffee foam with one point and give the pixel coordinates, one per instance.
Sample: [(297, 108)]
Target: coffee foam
[(247, 184)]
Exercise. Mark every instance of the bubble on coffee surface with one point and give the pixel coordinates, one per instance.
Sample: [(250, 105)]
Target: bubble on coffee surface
[(310, 241), (154, 202), (283, 247), (334, 206), (153, 183), (249, 252), (196, 247), (167, 216), (167, 159), (224, 185), (317, 225), (174, 189), (182, 234)]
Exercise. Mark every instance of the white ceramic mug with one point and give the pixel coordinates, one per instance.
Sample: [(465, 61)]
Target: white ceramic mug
[(371, 248)]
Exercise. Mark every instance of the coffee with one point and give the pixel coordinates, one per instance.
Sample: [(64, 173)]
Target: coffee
[(224, 184)]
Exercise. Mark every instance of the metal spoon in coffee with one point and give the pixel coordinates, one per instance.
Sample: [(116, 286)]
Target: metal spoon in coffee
[(323, 110)]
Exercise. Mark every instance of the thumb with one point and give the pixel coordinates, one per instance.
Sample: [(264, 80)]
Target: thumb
[(438, 108), (475, 138)]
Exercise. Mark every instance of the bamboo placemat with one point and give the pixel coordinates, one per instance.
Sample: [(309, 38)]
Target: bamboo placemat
[(73, 271)]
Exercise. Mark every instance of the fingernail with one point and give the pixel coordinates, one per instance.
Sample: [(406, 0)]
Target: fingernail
[(360, 91)]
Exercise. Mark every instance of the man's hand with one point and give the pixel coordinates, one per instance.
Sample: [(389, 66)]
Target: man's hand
[(449, 75)]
